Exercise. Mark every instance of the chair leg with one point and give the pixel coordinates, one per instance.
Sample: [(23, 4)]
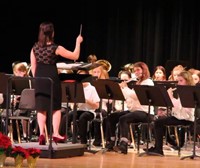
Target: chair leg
[(132, 137), (102, 135), (138, 140), (46, 134), (11, 131), (18, 132), (177, 135), (10, 128), (166, 132), (117, 138)]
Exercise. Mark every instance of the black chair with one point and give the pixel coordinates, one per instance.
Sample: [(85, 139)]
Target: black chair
[(27, 102), (177, 133)]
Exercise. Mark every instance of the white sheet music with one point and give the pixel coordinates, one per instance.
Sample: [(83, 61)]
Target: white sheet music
[(63, 65)]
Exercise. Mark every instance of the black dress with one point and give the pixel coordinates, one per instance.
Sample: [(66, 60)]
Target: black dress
[(47, 76)]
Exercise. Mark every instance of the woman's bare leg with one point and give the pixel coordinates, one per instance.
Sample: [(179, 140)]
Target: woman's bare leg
[(56, 123), (41, 119)]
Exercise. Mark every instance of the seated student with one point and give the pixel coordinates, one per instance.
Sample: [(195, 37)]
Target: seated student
[(195, 76), (175, 71), (136, 112), (85, 111), (100, 73), (20, 69), (159, 74), (120, 109), (179, 115), (91, 58)]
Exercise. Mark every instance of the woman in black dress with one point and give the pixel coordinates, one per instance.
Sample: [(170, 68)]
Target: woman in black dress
[(43, 57)]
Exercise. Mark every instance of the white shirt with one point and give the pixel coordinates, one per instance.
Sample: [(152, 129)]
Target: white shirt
[(182, 113), (132, 101), (90, 93)]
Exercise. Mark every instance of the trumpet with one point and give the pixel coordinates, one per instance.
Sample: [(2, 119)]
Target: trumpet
[(106, 65)]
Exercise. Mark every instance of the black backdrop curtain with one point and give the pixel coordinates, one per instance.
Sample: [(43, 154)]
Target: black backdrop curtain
[(153, 31), (150, 31)]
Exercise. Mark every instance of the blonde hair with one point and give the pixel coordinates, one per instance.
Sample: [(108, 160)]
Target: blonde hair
[(21, 66), (187, 76), (103, 73), (176, 68)]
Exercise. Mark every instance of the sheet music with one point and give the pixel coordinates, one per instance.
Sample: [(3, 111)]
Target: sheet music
[(63, 65)]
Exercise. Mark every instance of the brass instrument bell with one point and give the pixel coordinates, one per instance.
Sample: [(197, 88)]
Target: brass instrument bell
[(128, 67), (106, 65)]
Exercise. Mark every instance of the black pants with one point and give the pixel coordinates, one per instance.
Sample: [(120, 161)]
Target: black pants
[(159, 128), (112, 121), (82, 117), (131, 117)]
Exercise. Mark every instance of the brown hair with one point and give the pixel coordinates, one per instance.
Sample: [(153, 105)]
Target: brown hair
[(145, 71), (124, 72), (160, 68), (46, 33), (91, 58)]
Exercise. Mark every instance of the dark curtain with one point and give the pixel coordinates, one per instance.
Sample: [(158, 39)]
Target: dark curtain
[(153, 31)]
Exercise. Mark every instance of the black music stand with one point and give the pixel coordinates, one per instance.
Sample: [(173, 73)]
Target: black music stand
[(152, 96), (190, 98), (4, 82), (3, 87), (131, 83), (72, 93), (73, 90), (19, 84), (108, 89), (167, 85)]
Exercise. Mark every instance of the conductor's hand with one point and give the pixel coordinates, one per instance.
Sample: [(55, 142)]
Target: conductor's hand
[(79, 39)]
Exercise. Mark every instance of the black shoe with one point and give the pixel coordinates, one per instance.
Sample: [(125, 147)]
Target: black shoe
[(122, 148), (175, 147), (154, 151), (110, 145), (97, 143)]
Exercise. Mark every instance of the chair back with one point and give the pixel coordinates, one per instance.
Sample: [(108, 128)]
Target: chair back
[(27, 100)]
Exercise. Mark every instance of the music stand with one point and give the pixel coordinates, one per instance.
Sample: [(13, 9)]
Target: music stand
[(167, 85), (190, 98), (3, 87), (72, 93), (19, 84), (108, 89), (4, 82), (131, 83), (152, 96)]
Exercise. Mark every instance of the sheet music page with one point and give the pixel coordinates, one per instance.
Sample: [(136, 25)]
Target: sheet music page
[(63, 65)]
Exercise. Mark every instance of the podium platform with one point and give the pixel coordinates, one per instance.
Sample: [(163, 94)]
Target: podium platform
[(60, 150)]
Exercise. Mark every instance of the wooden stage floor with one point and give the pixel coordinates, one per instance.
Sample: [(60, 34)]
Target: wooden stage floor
[(112, 159)]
